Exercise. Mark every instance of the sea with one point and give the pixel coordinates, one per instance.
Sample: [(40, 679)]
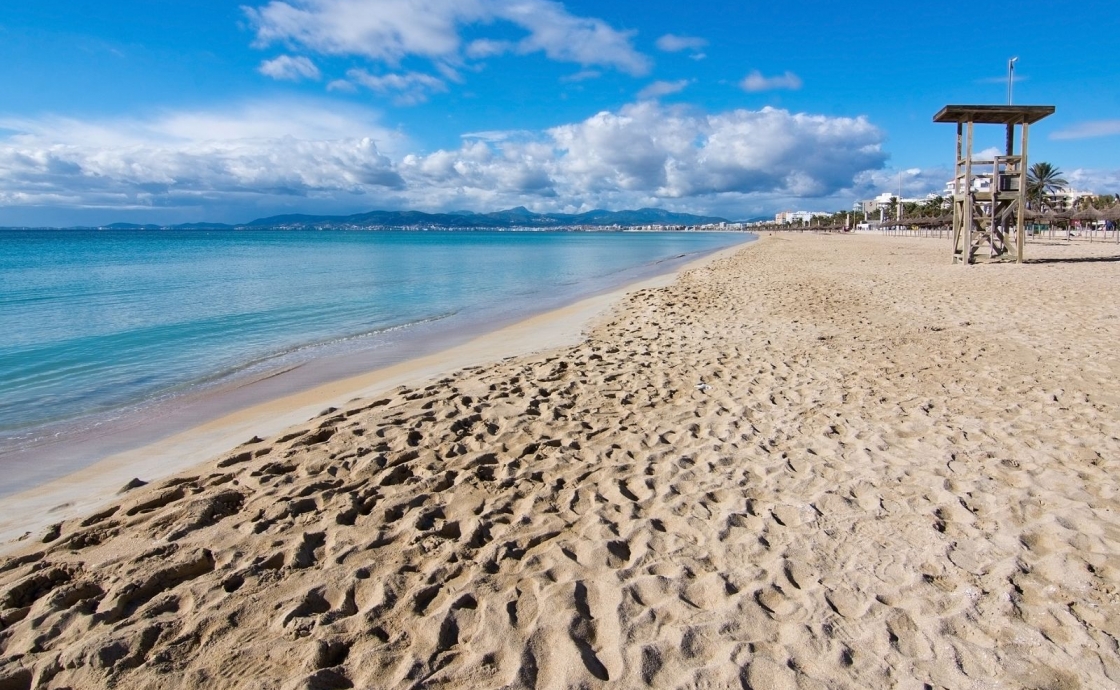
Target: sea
[(101, 330)]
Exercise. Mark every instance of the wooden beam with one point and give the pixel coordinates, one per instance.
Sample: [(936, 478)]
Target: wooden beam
[(1022, 191), (968, 218), (956, 185)]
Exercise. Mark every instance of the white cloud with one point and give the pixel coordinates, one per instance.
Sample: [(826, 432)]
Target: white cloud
[(190, 158), (663, 88), (671, 43), (1089, 130), (500, 135), (288, 68), (582, 75), (1094, 180), (341, 85), (258, 155), (648, 153), (391, 30), (916, 182), (408, 88), (756, 82), (485, 47)]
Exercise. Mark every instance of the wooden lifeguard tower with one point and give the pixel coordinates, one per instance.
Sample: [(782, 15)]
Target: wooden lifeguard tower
[(990, 195)]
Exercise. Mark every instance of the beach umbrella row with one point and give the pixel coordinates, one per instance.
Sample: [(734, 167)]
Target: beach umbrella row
[(921, 222)]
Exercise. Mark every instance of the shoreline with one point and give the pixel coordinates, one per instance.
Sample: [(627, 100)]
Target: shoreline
[(83, 489), (815, 461), (197, 393), (53, 451)]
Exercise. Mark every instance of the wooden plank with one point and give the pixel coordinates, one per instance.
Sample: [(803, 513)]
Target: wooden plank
[(956, 192), (1022, 193), (968, 194)]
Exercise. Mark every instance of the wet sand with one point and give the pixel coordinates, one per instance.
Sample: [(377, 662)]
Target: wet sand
[(820, 462), (266, 407)]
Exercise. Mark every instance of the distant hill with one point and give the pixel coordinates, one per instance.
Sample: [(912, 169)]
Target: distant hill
[(519, 217), (513, 217), (203, 226), (181, 226), (131, 226)]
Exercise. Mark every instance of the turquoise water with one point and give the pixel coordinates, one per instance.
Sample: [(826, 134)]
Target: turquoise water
[(99, 325)]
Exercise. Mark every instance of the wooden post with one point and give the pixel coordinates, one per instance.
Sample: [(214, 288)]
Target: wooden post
[(1022, 191), (993, 207), (956, 230), (968, 195)]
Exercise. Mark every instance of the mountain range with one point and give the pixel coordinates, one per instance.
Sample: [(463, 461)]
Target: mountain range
[(519, 217)]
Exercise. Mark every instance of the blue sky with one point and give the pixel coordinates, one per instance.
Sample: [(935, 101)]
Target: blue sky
[(204, 110)]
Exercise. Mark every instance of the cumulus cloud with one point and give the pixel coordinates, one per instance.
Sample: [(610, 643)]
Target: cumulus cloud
[(197, 157), (663, 88), (391, 30), (648, 153), (671, 43), (916, 182), (288, 68), (756, 82), (643, 154), (1089, 130), (1094, 180)]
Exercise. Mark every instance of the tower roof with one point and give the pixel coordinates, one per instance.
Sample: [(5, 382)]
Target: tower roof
[(994, 114)]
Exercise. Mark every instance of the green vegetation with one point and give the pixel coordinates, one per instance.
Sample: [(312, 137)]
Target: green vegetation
[(1043, 179)]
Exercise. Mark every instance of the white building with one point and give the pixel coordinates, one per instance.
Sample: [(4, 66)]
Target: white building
[(1065, 199), (797, 216), (887, 199)]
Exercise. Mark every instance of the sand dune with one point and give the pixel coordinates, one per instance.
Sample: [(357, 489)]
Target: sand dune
[(823, 462)]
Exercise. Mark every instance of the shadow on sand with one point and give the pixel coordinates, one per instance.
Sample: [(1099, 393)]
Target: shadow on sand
[(1075, 260)]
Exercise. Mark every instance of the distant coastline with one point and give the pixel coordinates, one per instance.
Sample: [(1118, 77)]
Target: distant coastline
[(519, 218)]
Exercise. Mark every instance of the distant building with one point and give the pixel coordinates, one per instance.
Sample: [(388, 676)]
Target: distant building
[(1060, 201), (1065, 199), (797, 216), (979, 184), (887, 199)]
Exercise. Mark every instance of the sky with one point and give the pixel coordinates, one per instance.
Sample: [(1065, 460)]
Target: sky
[(203, 110)]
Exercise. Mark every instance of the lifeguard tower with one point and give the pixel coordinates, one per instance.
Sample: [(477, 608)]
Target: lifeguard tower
[(990, 195)]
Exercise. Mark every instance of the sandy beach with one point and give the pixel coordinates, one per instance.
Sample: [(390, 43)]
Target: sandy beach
[(813, 462)]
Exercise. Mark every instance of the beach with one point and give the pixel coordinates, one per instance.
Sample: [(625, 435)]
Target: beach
[(813, 462)]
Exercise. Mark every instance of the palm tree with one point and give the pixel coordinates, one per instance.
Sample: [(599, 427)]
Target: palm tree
[(1043, 179)]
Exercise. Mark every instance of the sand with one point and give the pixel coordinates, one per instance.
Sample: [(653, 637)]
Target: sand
[(89, 487), (822, 462)]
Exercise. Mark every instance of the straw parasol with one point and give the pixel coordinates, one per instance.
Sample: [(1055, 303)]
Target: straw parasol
[(1112, 214), (1087, 214)]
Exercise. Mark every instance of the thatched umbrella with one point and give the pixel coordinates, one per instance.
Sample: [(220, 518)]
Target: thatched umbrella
[(1087, 216), (1052, 218), (1112, 214)]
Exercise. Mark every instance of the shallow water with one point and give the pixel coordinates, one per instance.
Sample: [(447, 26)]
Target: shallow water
[(97, 326)]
